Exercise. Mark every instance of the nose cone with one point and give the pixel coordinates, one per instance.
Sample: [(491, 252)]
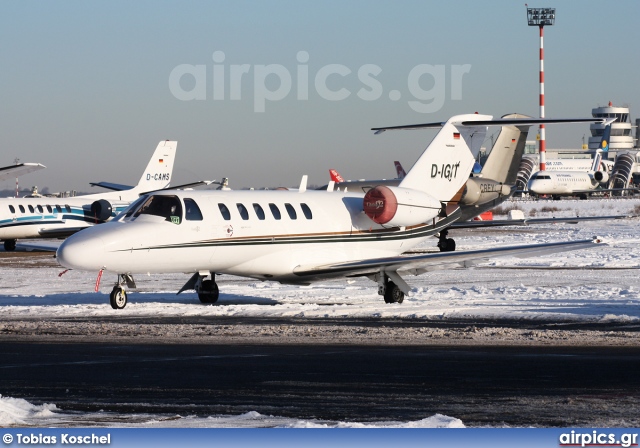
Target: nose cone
[(81, 251)]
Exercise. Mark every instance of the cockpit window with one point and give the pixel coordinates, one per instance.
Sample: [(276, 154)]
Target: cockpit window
[(192, 211), (168, 207), (132, 207)]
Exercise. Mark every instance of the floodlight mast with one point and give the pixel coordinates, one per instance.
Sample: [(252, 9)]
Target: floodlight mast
[(540, 17)]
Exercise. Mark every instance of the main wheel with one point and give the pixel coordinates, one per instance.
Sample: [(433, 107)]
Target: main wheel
[(9, 245), (118, 298), (208, 292), (393, 294), (447, 245)]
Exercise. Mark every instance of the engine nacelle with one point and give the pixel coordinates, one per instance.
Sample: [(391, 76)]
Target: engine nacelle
[(601, 176), (400, 207), (101, 210), (478, 190)]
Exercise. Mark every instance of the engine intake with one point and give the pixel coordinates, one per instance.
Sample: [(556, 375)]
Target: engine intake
[(601, 176), (399, 207), (101, 210)]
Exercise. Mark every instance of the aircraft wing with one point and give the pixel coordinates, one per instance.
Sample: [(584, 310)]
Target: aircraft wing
[(419, 264), (183, 186), (529, 221), (8, 172), (111, 186), (38, 246), (59, 233)]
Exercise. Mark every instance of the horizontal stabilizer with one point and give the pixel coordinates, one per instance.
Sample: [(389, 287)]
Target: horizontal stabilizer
[(111, 186), (496, 122)]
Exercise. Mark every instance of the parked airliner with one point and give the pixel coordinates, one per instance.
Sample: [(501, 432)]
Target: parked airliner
[(571, 183), (46, 217), (297, 236)]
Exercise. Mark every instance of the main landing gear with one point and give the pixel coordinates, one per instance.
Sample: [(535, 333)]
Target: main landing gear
[(207, 289), (446, 244), (204, 283), (9, 245), (391, 287), (118, 296)]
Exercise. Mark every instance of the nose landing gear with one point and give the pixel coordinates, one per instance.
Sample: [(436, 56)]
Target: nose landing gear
[(118, 296)]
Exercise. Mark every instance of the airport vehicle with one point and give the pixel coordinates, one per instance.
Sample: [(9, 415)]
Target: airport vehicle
[(46, 217), (297, 236)]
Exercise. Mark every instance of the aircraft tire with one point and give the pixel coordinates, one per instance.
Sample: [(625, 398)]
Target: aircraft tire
[(118, 298), (393, 294), (209, 292), (9, 245)]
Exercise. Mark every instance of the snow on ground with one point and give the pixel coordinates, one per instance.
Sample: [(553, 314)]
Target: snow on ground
[(588, 285), (599, 285), (19, 412)]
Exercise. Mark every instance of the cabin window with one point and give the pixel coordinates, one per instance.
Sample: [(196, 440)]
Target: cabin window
[(275, 211), (49, 209), (12, 208), (243, 211), (21, 207), (291, 211), (67, 208), (225, 212), (259, 211), (168, 207), (192, 211), (306, 210), (40, 209), (58, 209), (31, 209)]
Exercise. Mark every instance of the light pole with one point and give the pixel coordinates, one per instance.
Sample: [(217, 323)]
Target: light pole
[(540, 17)]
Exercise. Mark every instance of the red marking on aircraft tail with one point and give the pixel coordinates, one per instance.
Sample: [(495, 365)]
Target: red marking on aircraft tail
[(399, 170), (335, 176)]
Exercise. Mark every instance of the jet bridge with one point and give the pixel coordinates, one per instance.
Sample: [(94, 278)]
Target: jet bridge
[(621, 173)]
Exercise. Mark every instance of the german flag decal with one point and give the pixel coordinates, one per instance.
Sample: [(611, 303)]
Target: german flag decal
[(161, 160), (456, 135)]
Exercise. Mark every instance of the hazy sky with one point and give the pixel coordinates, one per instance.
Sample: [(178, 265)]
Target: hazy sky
[(86, 86)]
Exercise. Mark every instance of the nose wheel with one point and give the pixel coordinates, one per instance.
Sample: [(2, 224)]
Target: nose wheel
[(118, 297), (446, 244)]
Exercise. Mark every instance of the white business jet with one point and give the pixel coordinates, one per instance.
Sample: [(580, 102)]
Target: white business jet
[(574, 183), (296, 237), (45, 217)]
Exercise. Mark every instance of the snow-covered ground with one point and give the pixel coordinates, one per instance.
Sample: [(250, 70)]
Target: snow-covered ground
[(590, 286), (19, 412)]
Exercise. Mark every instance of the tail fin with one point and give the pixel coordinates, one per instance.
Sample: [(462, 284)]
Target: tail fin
[(399, 170), (597, 159), (445, 165), (606, 135), (505, 156), (335, 176), (158, 173)]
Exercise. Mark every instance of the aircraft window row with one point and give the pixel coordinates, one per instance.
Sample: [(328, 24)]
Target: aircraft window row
[(261, 215), (40, 209)]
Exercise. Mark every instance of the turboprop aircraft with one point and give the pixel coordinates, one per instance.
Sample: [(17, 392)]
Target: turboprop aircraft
[(46, 217), (300, 236), (574, 183)]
